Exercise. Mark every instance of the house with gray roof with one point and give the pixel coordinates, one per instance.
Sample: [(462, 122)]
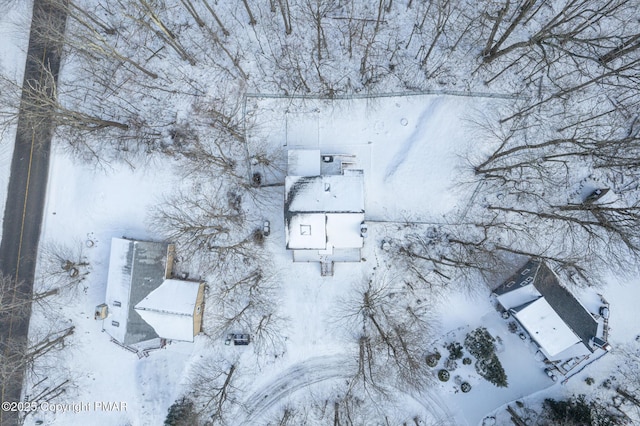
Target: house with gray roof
[(143, 301), (556, 321)]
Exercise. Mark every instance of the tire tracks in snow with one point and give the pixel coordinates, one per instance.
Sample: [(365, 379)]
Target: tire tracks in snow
[(298, 376), (320, 369)]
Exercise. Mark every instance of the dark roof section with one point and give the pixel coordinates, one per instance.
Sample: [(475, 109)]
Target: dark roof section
[(147, 263), (524, 276), (566, 305)]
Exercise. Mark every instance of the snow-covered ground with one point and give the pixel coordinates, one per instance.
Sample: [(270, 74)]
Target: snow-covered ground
[(402, 143), (412, 149), (393, 139)]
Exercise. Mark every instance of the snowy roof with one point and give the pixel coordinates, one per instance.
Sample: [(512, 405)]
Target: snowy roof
[(170, 309), (566, 305), (343, 230), (322, 212), (307, 231), (173, 296), (546, 327), (136, 268), (303, 162), (325, 194), (535, 282), (518, 296)]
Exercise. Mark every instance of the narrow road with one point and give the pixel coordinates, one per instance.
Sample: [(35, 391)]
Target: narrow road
[(25, 203)]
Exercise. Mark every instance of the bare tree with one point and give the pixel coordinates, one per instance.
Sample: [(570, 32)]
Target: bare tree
[(249, 304), (213, 388), (210, 227), (252, 20), (62, 269), (392, 322)]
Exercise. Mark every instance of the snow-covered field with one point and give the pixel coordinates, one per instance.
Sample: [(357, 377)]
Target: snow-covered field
[(399, 141), (415, 152), (393, 138)]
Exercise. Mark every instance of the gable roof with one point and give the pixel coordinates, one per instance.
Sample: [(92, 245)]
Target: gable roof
[(566, 305), (536, 284), (322, 212), (136, 268), (170, 309)]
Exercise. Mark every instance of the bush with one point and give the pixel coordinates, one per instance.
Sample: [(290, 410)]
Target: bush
[(432, 359), (465, 387), (491, 369), (450, 364), (455, 350), (181, 413), (466, 361), (483, 346), (480, 343), (443, 375), (578, 411)]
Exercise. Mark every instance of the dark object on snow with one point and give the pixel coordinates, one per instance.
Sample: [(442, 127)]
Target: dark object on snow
[(256, 179), (238, 339), (266, 228), (465, 387), (443, 375), (551, 374), (596, 195), (601, 344), (432, 359)]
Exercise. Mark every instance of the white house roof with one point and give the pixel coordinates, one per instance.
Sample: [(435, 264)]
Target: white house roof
[(325, 194), (518, 296), (546, 327), (169, 309), (343, 230), (303, 162), (175, 296), (170, 325), (307, 231), (118, 287)]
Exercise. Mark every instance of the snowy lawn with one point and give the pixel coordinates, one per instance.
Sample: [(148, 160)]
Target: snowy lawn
[(412, 149), (525, 374), (85, 204)]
